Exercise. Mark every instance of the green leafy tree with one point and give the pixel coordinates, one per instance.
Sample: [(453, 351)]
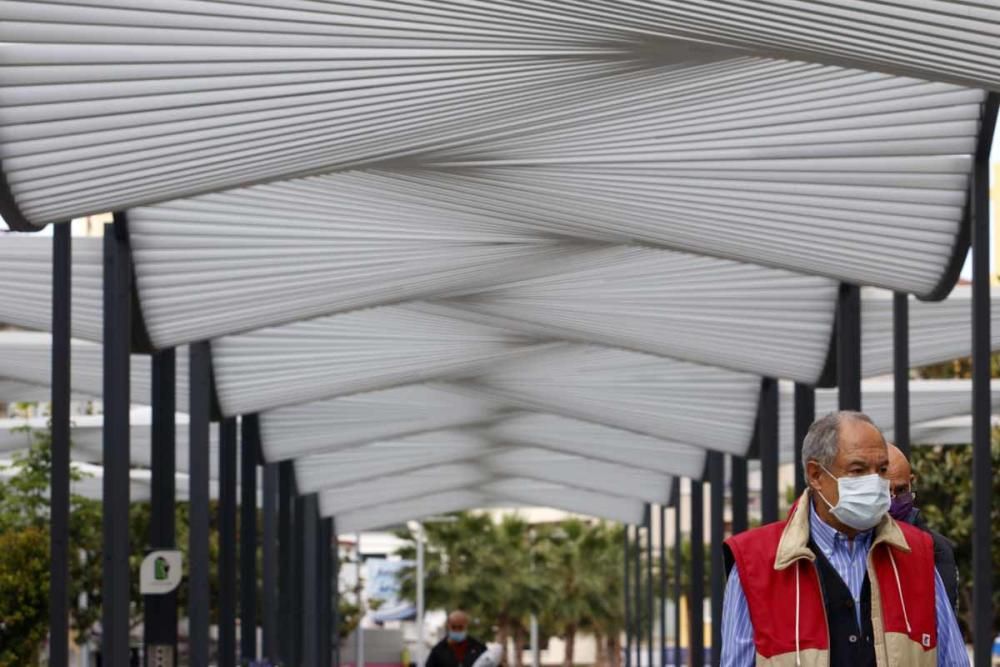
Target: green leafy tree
[(24, 590), (944, 493), (24, 505)]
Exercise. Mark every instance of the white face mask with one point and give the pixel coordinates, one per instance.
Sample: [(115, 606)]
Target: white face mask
[(863, 500)]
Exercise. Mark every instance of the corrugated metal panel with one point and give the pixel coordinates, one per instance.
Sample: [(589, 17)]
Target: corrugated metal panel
[(405, 486), (571, 499), (111, 106), (717, 312), (312, 428), (26, 274), (560, 468), (344, 242), (673, 400), (939, 331), (324, 471), (12, 391), (87, 433), (108, 107), (819, 178), (354, 352), (26, 357), (600, 443), (385, 347), (713, 311), (395, 513), (949, 431), (930, 400)]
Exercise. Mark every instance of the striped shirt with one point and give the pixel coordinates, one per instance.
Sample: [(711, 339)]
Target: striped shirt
[(850, 562)]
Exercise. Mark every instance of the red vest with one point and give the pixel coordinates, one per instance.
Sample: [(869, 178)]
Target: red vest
[(769, 558)]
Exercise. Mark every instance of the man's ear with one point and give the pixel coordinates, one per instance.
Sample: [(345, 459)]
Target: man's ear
[(813, 473)]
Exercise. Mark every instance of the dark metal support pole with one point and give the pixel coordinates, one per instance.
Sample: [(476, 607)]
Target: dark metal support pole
[(740, 504), (310, 573), (805, 415), (650, 594), (299, 520), (117, 347), (716, 479), (637, 613), (326, 630), (335, 545), (269, 574), (200, 385), (901, 369), (249, 452), (663, 584), (849, 347), (286, 564), (678, 572), (696, 629), (62, 299), (628, 597), (227, 542), (160, 611), (767, 425), (982, 469)]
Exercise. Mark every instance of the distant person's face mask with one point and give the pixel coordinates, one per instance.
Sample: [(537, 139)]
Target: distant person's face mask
[(863, 500), (901, 506), (457, 636)]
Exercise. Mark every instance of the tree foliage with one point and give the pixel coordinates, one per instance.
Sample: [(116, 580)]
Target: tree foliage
[(944, 493), (501, 572), (24, 590)]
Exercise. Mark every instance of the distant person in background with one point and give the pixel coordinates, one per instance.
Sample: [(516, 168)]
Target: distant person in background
[(457, 649), (901, 482)]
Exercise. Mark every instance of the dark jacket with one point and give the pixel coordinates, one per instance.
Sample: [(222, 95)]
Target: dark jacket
[(944, 557), (442, 655)]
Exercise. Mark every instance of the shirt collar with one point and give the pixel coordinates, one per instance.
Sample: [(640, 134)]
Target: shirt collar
[(826, 536)]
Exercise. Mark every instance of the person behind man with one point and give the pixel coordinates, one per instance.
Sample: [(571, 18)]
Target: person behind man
[(839, 582), (457, 649), (901, 481)]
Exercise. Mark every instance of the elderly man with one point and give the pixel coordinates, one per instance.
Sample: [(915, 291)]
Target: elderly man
[(457, 649), (839, 582), (901, 481)]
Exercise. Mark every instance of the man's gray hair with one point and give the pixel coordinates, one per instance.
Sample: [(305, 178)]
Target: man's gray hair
[(823, 439)]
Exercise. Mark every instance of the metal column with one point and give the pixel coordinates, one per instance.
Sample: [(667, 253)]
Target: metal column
[(227, 542), (637, 612), (249, 454), (200, 410), (310, 574), (696, 629), (678, 571), (286, 563), (805, 415), (269, 558), (716, 480), (849, 347), (650, 595), (767, 438), (982, 469), (627, 596), (327, 631), (62, 299), (299, 520), (117, 347), (901, 370), (160, 611), (663, 584), (740, 505), (335, 545)]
